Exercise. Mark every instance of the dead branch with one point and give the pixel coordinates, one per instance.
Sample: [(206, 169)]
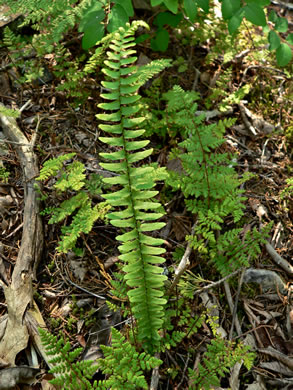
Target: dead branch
[(18, 294)]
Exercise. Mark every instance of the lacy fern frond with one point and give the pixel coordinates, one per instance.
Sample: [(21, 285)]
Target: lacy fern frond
[(79, 206), (148, 71), (52, 166), (210, 185), (137, 213), (69, 373), (124, 365), (220, 356), (82, 222)]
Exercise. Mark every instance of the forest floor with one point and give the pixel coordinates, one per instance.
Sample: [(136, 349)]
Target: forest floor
[(66, 287)]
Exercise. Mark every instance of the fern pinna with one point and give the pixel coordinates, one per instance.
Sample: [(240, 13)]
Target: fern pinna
[(137, 213)]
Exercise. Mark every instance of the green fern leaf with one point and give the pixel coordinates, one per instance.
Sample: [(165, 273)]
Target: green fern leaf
[(139, 251)]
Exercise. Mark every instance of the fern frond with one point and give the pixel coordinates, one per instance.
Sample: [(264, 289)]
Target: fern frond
[(82, 222), (52, 166), (148, 71), (140, 252), (69, 374), (220, 356), (124, 365)]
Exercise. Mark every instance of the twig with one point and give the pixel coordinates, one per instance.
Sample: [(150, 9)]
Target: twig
[(277, 355), (278, 259), (215, 284), (234, 315), (184, 262), (231, 305), (184, 371), (155, 376), (247, 124), (25, 105), (84, 289)]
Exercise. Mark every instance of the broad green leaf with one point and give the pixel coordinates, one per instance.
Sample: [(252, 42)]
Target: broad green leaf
[(127, 61), (290, 38), (281, 25), (94, 8), (127, 5), (92, 28), (274, 40), (117, 18), (128, 70), (235, 21), (154, 3), (229, 8), (204, 5), (146, 205), (142, 38), (262, 3), (284, 54), (190, 9), (255, 14), (167, 18), (160, 41), (273, 17), (172, 5)]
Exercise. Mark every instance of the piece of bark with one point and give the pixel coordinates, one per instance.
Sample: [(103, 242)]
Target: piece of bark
[(18, 294)]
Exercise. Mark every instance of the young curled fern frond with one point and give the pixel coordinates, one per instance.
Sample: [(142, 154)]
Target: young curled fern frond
[(137, 208)]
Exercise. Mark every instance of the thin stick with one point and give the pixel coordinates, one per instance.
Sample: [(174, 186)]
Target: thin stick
[(184, 263), (278, 259), (234, 315)]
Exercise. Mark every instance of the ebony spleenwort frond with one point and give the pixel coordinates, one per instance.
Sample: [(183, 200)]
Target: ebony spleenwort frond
[(139, 251), (69, 373)]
